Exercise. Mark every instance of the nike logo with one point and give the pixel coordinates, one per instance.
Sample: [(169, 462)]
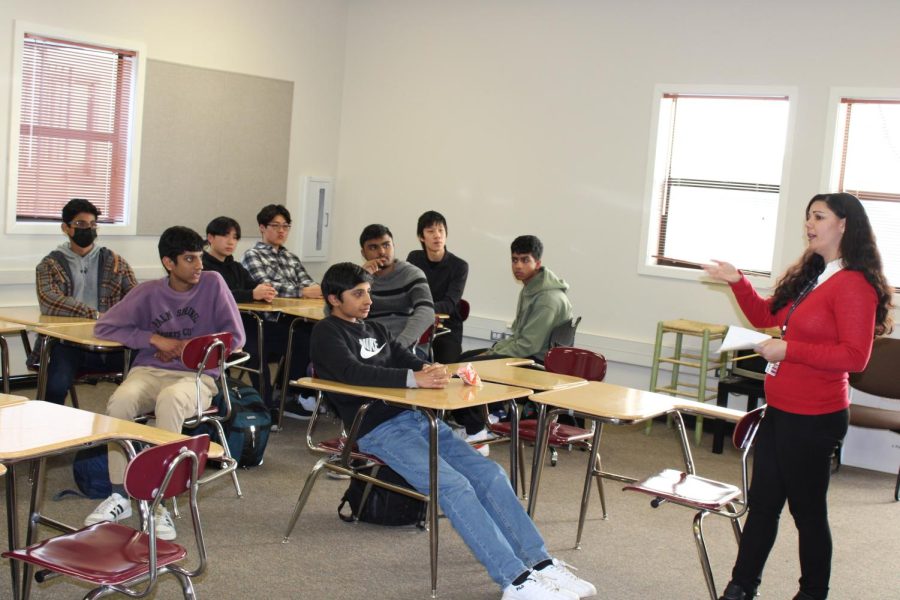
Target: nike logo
[(369, 347)]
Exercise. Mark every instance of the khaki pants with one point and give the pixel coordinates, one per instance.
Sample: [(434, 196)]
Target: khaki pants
[(172, 395)]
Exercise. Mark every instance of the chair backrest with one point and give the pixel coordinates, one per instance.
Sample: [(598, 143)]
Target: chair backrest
[(147, 472), (564, 333), (745, 429), (463, 308), (880, 376), (208, 351), (577, 362)]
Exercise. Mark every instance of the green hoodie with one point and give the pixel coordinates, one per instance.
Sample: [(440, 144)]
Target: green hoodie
[(542, 305)]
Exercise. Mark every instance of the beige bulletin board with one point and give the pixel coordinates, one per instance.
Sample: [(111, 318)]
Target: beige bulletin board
[(213, 143)]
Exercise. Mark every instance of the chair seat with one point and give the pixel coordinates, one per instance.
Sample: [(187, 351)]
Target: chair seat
[(336, 446), (688, 490), (104, 554), (560, 435), (693, 327)]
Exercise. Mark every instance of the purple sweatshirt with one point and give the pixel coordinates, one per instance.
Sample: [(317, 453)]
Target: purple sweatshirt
[(154, 307)]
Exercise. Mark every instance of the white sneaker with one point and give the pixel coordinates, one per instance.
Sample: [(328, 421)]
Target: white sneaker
[(165, 527), (307, 402), (115, 508), (483, 449), (536, 588), (563, 578)]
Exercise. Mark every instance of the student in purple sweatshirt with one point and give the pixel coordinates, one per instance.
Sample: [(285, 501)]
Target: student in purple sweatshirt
[(156, 319)]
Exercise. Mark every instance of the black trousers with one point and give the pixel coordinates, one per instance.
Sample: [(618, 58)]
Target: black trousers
[(791, 462)]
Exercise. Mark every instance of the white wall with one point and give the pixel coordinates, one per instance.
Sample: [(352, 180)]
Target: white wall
[(298, 40), (515, 117)]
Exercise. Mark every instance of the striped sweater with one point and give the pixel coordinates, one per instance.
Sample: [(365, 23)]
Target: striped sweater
[(401, 301)]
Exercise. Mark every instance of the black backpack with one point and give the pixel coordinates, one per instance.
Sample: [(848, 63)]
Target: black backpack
[(383, 507), (247, 430)]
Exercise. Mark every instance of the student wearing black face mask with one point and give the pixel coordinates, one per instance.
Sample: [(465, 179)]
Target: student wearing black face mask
[(80, 279)]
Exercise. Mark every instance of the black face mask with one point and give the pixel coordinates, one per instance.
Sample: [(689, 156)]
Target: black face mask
[(83, 238)]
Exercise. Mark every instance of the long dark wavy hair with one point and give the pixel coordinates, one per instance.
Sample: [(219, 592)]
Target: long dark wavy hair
[(858, 251)]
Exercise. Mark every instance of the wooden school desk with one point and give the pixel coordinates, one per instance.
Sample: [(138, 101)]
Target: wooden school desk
[(509, 371), (603, 403), (304, 310), (35, 430), (77, 334), (429, 402)]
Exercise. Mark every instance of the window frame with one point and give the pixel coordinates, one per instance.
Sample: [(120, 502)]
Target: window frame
[(129, 225), (834, 150), (657, 150)]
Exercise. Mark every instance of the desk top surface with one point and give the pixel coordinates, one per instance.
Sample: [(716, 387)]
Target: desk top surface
[(7, 327), (609, 402), (79, 333), (7, 399), (455, 395), (33, 429), (279, 304), (501, 371), (309, 312), (31, 316)]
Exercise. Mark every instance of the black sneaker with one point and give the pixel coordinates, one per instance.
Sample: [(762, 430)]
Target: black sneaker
[(294, 409)]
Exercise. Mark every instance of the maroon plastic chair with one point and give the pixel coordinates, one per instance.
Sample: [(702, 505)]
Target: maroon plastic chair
[(706, 496), (200, 354), (565, 361), (437, 329), (117, 558)]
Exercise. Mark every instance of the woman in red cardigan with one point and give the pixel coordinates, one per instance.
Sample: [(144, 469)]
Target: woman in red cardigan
[(829, 306)]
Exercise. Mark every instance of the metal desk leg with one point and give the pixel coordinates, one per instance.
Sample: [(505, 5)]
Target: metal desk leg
[(43, 369), (12, 528), (540, 451), (285, 376), (593, 470), (4, 359), (685, 445), (433, 499), (514, 457)]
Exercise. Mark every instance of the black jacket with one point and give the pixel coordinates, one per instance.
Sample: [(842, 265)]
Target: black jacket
[(236, 276)]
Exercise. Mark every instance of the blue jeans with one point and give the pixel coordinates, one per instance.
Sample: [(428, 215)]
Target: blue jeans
[(66, 362), (473, 491)]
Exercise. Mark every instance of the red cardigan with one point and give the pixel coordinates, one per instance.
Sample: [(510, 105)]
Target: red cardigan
[(829, 335)]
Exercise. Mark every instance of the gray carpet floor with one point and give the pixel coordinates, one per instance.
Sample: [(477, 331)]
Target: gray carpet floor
[(639, 552)]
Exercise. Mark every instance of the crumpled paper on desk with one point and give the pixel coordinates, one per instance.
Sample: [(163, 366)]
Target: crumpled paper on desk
[(468, 374)]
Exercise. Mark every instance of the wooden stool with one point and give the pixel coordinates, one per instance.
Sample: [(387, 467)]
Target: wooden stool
[(702, 362)]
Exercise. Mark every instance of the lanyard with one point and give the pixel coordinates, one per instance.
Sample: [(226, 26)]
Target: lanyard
[(803, 294)]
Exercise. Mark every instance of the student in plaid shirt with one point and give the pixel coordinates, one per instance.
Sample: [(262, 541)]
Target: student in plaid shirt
[(270, 262), (79, 279)]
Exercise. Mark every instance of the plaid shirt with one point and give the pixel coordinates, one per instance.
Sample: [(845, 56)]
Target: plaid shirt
[(55, 287), (279, 267)]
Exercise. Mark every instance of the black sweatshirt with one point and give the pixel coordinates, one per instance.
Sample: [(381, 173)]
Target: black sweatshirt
[(360, 353), (236, 276), (447, 281)]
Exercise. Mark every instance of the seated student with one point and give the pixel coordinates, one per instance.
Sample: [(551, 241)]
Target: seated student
[(222, 236), (401, 298), (543, 304), (80, 279), (268, 261), (157, 319), (474, 493), (446, 274)]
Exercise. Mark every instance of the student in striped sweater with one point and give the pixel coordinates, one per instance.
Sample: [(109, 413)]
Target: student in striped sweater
[(401, 298)]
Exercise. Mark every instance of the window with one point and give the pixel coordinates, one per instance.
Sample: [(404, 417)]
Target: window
[(867, 165), (73, 128), (717, 180)]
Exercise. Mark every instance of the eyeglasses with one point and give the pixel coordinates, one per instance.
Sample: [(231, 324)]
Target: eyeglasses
[(83, 224), (280, 226)]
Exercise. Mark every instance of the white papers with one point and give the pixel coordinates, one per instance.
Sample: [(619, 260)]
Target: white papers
[(740, 338)]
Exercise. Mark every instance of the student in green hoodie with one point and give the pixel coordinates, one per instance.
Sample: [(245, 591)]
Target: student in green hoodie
[(543, 304)]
